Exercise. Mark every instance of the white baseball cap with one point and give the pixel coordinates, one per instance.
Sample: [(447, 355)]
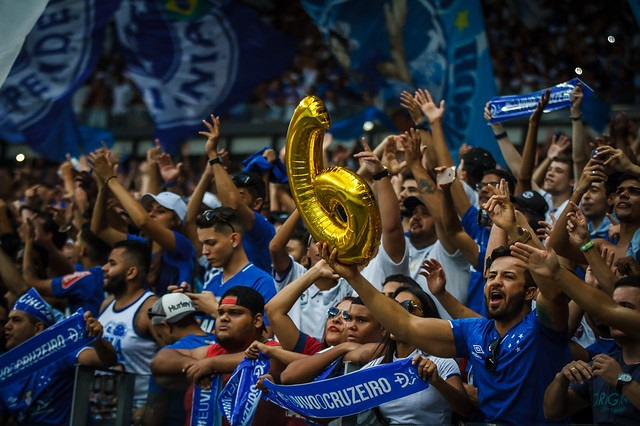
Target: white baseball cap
[(171, 307), (168, 200)]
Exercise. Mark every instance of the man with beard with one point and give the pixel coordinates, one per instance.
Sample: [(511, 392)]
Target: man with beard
[(515, 353), (124, 314), (239, 324)]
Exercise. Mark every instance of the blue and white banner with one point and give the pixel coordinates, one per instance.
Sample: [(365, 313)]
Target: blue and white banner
[(204, 408), (349, 394), (439, 45), (53, 343), (58, 55), (239, 398), (196, 61), (504, 108)]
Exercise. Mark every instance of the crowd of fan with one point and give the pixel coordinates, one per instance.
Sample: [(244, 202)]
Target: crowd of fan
[(516, 288)]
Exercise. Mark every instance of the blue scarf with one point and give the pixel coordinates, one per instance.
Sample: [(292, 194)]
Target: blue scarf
[(504, 108), (56, 342), (239, 399), (349, 394), (204, 408)]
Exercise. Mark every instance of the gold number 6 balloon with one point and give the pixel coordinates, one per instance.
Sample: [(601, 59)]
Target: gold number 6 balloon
[(336, 204)]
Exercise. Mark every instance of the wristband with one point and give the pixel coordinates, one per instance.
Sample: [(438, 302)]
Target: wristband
[(423, 125), (106, 182), (213, 161), (587, 246), (500, 135), (576, 118), (381, 174)]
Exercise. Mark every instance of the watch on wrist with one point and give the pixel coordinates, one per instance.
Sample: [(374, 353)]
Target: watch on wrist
[(623, 379), (381, 174), (524, 236), (215, 160)]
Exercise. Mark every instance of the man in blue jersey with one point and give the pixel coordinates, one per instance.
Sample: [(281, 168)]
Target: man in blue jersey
[(516, 352), (82, 289), (220, 231), (43, 398)]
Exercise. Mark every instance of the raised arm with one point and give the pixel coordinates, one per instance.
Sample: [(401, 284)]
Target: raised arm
[(102, 354), (161, 235), (429, 334), (579, 147), (193, 208), (228, 193), (393, 239), (453, 227), (508, 151), (596, 303), (278, 307), (525, 172), (278, 245), (436, 280), (99, 222)]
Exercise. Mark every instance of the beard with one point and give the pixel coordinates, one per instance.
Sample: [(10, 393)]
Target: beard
[(510, 308), (115, 285)]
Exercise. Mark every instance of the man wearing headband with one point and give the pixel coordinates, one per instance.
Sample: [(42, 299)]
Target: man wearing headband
[(43, 397), (240, 323)]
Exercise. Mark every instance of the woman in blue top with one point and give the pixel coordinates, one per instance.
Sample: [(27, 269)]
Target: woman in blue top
[(160, 218)]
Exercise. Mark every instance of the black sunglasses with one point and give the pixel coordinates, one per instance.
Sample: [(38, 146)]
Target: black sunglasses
[(209, 218), (410, 306), (333, 312), (491, 362), (243, 179), (152, 314), (482, 185)]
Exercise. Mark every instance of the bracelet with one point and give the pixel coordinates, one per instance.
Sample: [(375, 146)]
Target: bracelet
[(423, 125), (213, 161), (381, 174), (587, 246), (500, 135), (576, 118), (106, 182)]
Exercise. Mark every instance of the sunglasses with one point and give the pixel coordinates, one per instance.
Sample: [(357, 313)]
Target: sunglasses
[(243, 179), (334, 312), (410, 306), (482, 185), (152, 314), (209, 218), (491, 362)]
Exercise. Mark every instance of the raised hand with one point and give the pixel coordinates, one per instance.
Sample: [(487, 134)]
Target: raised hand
[(577, 226), (370, 161), (499, 207), (432, 270), (539, 262), (408, 102), (168, 169), (213, 135), (429, 108)]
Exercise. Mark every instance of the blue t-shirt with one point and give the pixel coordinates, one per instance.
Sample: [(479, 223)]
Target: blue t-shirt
[(528, 358), (480, 234), (256, 242), (607, 405), (83, 289), (44, 397), (176, 267), (249, 276)]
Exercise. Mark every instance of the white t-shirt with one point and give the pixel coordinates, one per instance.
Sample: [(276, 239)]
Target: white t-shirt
[(427, 407), (455, 266)]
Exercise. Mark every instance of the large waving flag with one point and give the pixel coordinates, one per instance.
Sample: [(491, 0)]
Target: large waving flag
[(193, 61), (407, 44), (58, 55)]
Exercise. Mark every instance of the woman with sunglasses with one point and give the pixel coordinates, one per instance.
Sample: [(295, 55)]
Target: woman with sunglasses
[(445, 392), (160, 218)]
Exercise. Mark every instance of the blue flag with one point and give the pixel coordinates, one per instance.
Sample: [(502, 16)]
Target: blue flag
[(58, 55), (408, 44), (189, 63)]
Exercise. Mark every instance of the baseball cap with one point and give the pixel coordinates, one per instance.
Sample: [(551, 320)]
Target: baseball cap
[(476, 162), (171, 307), (250, 180), (245, 297), (168, 200), (210, 200), (411, 203), (531, 202)]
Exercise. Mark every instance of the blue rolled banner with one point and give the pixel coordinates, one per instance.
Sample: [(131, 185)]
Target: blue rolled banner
[(504, 108), (349, 394), (57, 341), (239, 399), (204, 409)]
